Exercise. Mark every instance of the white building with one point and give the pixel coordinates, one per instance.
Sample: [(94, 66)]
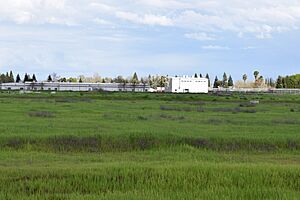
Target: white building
[(187, 84)]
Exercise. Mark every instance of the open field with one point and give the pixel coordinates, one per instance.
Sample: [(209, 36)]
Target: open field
[(149, 146)]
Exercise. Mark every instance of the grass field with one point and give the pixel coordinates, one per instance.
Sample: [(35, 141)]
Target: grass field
[(149, 146)]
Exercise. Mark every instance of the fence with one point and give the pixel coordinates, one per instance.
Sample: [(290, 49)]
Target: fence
[(255, 90)]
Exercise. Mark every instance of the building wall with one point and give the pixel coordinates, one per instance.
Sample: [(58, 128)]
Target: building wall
[(188, 85), (46, 86)]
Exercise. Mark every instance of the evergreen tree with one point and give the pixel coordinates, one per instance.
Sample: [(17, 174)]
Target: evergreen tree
[(225, 81), (207, 76), (2, 78), (230, 81), (18, 79), (49, 79), (34, 78), (216, 82), (7, 79), (26, 79), (150, 80), (196, 75), (11, 77), (80, 80), (29, 79), (201, 75), (135, 79)]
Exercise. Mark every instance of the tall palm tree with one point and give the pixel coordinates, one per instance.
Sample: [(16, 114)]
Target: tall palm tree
[(245, 77)]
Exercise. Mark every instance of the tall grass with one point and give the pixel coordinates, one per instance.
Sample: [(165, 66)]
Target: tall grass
[(183, 181), (101, 146)]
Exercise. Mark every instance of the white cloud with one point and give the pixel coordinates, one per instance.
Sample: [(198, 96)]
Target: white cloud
[(260, 18), (200, 36), (148, 19), (215, 47), (102, 21), (249, 48)]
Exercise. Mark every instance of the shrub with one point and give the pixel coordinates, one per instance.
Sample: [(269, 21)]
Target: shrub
[(215, 121), (286, 121), (164, 116), (200, 109), (72, 143), (247, 105), (142, 118), (42, 114), (169, 108)]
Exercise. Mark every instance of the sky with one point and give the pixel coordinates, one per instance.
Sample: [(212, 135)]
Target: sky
[(169, 37)]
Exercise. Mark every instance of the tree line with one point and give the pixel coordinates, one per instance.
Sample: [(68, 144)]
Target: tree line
[(161, 81), (288, 81), (8, 77), (226, 82)]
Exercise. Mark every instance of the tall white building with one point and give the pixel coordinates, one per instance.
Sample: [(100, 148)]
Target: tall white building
[(187, 84)]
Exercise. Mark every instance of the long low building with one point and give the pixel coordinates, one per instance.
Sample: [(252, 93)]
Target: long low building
[(62, 86)]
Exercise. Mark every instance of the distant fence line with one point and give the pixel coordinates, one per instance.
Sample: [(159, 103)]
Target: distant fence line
[(255, 90)]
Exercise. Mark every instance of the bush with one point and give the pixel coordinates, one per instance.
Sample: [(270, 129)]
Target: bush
[(287, 121), (169, 108), (142, 118), (42, 114), (247, 105)]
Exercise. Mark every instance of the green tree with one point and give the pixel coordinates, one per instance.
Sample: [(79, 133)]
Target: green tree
[(279, 83), (256, 73), (63, 80), (207, 76), (18, 79), (11, 77), (72, 80), (119, 79), (225, 81), (245, 77), (49, 79), (26, 78), (196, 75), (2, 78), (150, 79), (216, 83), (162, 81), (34, 78), (230, 81), (7, 79), (80, 80), (200, 75), (134, 80)]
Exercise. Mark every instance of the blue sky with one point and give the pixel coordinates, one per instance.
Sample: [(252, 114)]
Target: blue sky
[(171, 37)]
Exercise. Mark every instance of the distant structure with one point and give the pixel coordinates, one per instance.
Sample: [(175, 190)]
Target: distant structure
[(187, 84), (76, 87)]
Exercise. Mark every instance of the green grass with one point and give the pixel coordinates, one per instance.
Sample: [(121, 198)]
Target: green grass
[(149, 146)]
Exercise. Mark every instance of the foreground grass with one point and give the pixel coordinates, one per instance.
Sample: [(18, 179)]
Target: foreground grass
[(149, 146), (181, 173)]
